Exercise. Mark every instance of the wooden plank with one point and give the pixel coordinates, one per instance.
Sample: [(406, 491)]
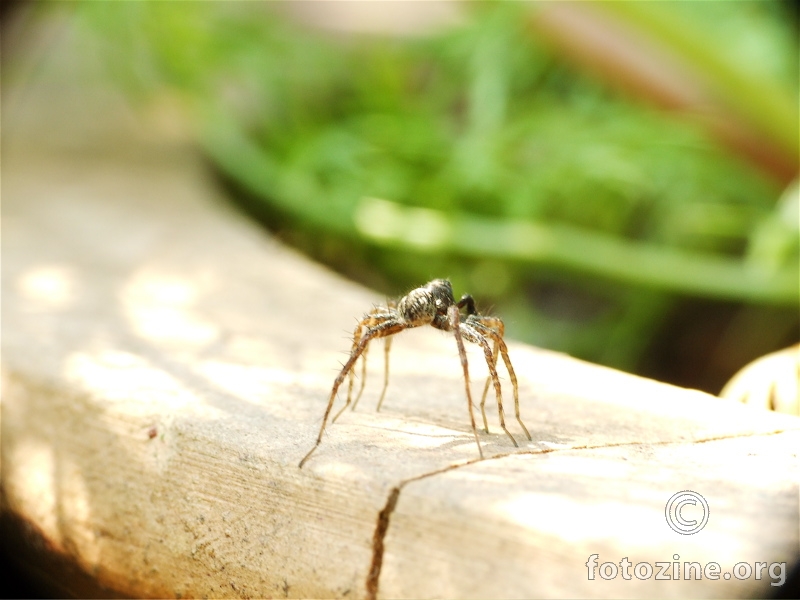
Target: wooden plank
[(165, 365), (162, 380)]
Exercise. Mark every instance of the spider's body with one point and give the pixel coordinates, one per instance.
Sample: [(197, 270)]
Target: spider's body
[(427, 305), (432, 304)]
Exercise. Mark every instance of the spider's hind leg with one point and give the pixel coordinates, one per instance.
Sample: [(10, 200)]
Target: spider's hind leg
[(375, 317), (352, 379), (387, 345), (388, 326), (352, 371)]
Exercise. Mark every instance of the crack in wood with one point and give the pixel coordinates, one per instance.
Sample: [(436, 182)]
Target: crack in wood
[(377, 543), (384, 516)]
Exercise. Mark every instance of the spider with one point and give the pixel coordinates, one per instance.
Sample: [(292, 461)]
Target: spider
[(432, 304)]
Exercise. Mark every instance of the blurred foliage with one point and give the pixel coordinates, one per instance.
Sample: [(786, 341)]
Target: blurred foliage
[(478, 154)]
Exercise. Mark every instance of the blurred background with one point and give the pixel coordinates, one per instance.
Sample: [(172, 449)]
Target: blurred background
[(617, 180)]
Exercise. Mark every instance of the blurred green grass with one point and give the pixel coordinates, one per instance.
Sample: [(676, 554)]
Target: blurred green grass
[(593, 223)]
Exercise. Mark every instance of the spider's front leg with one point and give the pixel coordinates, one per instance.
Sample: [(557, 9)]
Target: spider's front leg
[(471, 333), (468, 303), (454, 318), (493, 328), (389, 326)]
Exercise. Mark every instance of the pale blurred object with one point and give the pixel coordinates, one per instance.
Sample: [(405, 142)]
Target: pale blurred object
[(381, 18), (772, 381)]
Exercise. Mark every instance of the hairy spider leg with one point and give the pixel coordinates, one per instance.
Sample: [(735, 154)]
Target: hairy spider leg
[(488, 382), (387, 345), (376, 316), (472, 315), (499, 328), (454, 316), (474, 336), (356, 338), (388, 327), (496, 333), (468, 302), (371, 319), (495, 329)]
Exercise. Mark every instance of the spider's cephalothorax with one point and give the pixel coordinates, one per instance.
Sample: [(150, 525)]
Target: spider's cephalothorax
[(432, 304)]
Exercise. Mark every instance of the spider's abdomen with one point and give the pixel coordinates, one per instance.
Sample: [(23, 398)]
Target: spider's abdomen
[(417, 308), (422, 305)]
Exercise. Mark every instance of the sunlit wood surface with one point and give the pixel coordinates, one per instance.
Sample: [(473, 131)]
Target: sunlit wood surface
[(166, 364)]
